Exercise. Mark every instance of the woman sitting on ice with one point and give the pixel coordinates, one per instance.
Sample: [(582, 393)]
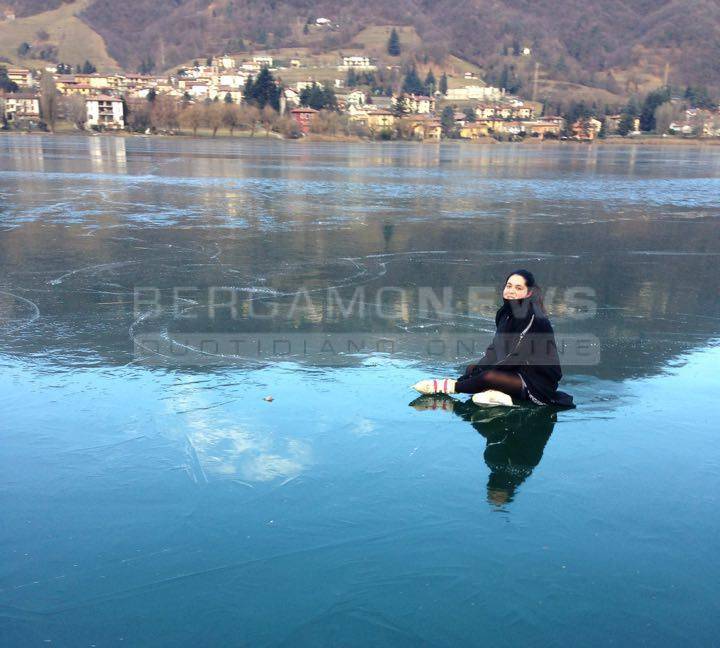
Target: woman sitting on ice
[(522, 362)]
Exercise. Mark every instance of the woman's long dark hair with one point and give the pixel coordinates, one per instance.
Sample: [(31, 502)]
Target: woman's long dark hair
[(536, 298)]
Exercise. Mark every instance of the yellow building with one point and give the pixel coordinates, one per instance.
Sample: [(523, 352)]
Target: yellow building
[(380, 119)]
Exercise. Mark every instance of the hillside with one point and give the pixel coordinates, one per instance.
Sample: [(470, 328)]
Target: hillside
[(73, 40), (620, 46)]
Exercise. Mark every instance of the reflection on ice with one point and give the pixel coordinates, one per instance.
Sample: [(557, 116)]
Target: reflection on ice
[(220, 448)]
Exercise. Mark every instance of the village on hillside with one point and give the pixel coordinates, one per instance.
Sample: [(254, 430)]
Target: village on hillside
[(355, 96)]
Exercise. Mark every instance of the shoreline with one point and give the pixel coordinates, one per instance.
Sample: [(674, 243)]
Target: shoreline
[(649, 140)]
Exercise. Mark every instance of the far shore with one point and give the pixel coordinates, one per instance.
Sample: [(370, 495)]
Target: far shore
[(224, 135)]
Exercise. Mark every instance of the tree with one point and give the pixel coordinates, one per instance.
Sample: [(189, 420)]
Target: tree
[(699, 97), (443, 84), (263, 90), (228, 98), (470, 114), (213, 117), (393, 46), (665, 114), (192, 117), (651, 103), (269, 116), (63, 68), (75, 110), (401, 106), (147, 65), (6, 85), (411, 82), (48, 100), (447, 121), (88, 68), (249, 117), (164, 113), (231, 116), (626, 124), (430, 83), (23, 49), (318, 97), (151, 95)]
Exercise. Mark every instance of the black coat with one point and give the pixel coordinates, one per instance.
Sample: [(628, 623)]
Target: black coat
[(524, 343)]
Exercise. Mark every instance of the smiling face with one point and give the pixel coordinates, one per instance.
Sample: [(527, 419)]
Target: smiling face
[(515, 288)]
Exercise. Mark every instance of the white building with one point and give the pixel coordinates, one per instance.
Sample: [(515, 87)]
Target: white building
[(323, 21), (474, 92), (292, 97), (356, 63), (263, 61), (225, 62), (21, 106), (104, 111), (232, 80)]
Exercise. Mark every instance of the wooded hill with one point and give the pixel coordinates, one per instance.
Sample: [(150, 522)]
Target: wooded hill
[(615, 45)]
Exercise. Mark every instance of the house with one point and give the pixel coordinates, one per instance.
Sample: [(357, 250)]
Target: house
[(426, 128), (232, 79), (356, 63), (356, 98), (475, 130), (612, 124), (105, 112), (323, 22), (263, 61), (586, 129), (222, 93), (21, 76), (225, 62), (474, 92), (523, 112), (511, 127), (303, 117), (378, 120), (417, 104), (294, 63), (198, 89), (292, 97), (545, 126), (21, 106)]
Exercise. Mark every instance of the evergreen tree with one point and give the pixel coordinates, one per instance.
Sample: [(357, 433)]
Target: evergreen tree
[(249, 88), (6, 84), (401, 106), (430, 83), (447, 121), (443, 84), (147, 65), (699, 97), (470, 114), (228, 98), (651, 103), (88, 68), (412, 83), (626, 124), (318, 97), (152, 95), (393, 46), (263, 91)]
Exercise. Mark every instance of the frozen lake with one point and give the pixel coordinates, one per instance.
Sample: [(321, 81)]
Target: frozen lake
[(153, 293)]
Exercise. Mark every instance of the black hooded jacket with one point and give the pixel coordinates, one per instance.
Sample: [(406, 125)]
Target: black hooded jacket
[(524, 343)]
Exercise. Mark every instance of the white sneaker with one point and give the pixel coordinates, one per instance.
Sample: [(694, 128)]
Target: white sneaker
[(492, 397), (435, 386)]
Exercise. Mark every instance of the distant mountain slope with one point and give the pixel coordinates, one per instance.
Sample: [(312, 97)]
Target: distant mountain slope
[(575, 41), (73, 40)]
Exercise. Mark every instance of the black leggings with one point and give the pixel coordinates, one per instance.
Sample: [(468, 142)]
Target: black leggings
[(477, 381)]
